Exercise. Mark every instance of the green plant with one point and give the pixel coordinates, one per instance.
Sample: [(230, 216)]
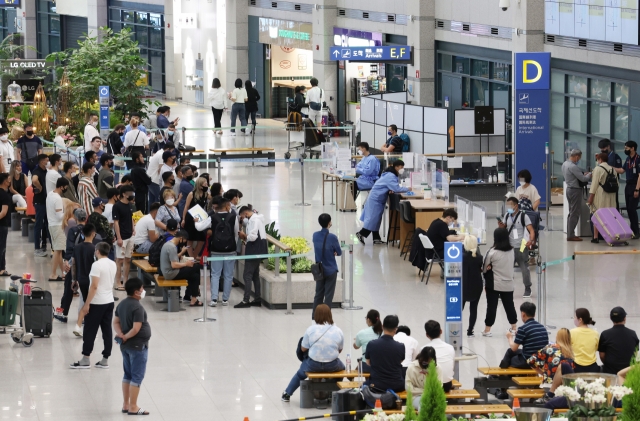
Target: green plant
[(410, 411), (25, 114), (433, 404), (631, 403), (272, 231)]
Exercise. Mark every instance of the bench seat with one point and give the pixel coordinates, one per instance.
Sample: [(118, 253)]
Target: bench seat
[(337, 375), (526, 393), (468, 409), (135, 255), (511, 371), (144, 265), (453, 394), (527, 381), (242, 150), (171, 290)]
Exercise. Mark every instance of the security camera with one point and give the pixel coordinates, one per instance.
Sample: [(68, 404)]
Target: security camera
[(504, 5)]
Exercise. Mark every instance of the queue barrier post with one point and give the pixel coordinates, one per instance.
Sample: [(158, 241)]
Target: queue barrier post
[(204, 318), (219, 163), (303, 203), (276, 266), (289, 285), (350, 305)]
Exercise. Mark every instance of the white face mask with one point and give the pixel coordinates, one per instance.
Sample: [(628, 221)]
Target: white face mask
[(401, 171), (522, 182), (360, 152), (4, 137), (170, 202), (142, 294), (245, 221)]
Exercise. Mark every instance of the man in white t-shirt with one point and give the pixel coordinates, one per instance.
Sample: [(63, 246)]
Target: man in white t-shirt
[(98, 308), (55, 212), (445, 354), (403, 335), (153, 171), (6, 150), (90, 131), (146, 233), (53, 173), (315, 97)]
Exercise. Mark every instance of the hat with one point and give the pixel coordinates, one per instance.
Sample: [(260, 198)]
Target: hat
[(172, 225), (97, 201), (167, 154), (618, 315)]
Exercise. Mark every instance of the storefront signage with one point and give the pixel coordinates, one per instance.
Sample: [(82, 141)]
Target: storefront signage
[(382, 53), (453, 281), (103, 95), (9, 3), (532, 77), (25, 64), (285, 33)]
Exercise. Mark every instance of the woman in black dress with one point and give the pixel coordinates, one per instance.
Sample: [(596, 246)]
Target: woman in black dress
[(473, 282), (198, 196), (251, 106)]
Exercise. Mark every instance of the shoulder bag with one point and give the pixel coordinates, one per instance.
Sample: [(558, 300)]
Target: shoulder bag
[(303, 355), (127, 151), (116, 162), (316, 269), (387, 397), (488, 275)]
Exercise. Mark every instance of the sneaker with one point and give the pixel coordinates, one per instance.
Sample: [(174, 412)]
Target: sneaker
[(233, 133), (487, 334), (58, 310), (471, 334), (527, 293), (77, 331), (77, 366), (256, 303), (360, 238), (513, 331), (285, 397), (378, 242), (60, 318), (213, 303), (100, 365), (225, 303), (40, 253), (502, 395), (243, 304)]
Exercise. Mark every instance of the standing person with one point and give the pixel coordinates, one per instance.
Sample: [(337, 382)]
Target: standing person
[(83, 257), (614, 161), (169, 163), (251, 106), (584, 342), (133, 331), (96, 149), (29, 149), (124, 228), (87, 190), (498, 266), (53, 172), (527, 194), (169, 181), (377, 200), (141, 181), (178, 178), (222, 242), (6, 150), (370, 333), (532, 336), (573, 176), (367, 169), (325, 246), (519, 227), (146, 233), (473, 283), (185, 187), (173, 135), (385, 356), (153, 171), (5, 220), (445, 353), (238, 97), (403, 335), (100, 222), (234, 196), (90, 130), (105, 175), (114, 141), (140, 126), (55, 212), (18, 186), (98, 309), (199, 196), (135, 140), (41, 229), (255, 243), (172, 268), (617, 345), (71, 193), (315, 98), (394, 143), (598, 197), (218, 102), (632, 188), (167, 212)]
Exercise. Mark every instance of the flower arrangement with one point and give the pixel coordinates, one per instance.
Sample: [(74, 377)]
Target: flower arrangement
[(592, 399), (299, 245), (381, 416)]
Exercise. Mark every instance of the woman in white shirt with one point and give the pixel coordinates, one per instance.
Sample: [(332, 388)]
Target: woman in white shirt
[(238, 97), (62, 146), (136, 139), (527, 194), (218, 102)]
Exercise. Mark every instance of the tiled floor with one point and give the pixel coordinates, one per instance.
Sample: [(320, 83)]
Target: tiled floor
[(239, 365)]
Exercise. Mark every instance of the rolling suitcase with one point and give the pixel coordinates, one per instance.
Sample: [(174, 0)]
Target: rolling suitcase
[(8, 307), (612, 226), (347, 400), (38, 313)]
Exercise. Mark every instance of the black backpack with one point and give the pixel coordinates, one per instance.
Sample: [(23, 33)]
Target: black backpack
[(610, 184), (222, 239), (155, 249)]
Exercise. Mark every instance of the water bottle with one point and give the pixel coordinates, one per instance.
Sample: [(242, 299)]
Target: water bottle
[(348, 363)]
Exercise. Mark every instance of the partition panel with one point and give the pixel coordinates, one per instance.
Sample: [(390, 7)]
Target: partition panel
[(367, 133), (380, 135), (367, 112), (434, 143), (395, 97), (381, 112), (413, 118), (415, 141), (395, 114), (435, 120)]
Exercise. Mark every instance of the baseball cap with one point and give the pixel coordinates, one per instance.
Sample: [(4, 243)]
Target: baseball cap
[(172, 225), (97, 201), (618, 315), (167, 154)]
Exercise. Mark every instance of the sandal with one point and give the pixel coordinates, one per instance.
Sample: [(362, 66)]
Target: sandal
[(196, 304), (5, 273), (139, 412)]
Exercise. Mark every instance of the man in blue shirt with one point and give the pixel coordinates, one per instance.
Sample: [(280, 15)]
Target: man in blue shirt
[(163, 118), (127, 129), (367, 169), (185, 187), (613, 160), (632, 188), (326, 246), (394, 143), (532, 336)]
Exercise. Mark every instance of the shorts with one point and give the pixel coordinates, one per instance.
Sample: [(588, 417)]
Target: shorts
[(58, 240), (126, 250)]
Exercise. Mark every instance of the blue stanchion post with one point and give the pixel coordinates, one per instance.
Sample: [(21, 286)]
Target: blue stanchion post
[(302, 183)]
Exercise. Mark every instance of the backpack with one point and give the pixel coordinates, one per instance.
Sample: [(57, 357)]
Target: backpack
[(610, 184), (155, 249), (222, 239), (405, 142), (294, 121)]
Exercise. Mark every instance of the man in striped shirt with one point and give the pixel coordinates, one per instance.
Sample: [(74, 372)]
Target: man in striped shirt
[(532, 336)]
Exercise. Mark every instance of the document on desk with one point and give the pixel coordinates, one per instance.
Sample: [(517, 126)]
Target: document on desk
[(454, 162), (489, 161)]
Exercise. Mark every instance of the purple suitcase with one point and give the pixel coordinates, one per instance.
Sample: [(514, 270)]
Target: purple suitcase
[(612, 226)]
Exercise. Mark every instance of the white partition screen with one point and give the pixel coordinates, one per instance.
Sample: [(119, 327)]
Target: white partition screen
[(367, 111), (381, 112), (367, 133), (463, 123), (395, 114), (435, 120), (396, 97), (380, 135), (435, 143), (415, 141), (413, 118)]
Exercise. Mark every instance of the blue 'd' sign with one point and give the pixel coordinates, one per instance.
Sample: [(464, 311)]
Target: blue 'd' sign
[(453, 281)]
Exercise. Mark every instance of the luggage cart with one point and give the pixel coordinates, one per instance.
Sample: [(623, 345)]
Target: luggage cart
[(17, 331), (312, 139)]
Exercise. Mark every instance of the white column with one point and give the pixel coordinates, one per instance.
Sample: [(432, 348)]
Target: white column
[(237, 60), (421, 36), (28, 15), (97, 17), (325, 17), (172, 78)]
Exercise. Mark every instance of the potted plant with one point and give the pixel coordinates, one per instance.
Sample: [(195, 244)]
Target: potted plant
[(631, 403), (433, 404), (590, 396)]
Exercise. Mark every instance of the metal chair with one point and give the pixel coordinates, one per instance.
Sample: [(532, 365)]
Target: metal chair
[(394, 223), (428, 245), (406, 216)]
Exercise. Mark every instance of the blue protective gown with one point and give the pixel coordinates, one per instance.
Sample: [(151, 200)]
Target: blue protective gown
[(368, 168), (374, 206)]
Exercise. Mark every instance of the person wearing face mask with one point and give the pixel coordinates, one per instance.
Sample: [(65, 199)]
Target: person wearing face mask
[(573, 177), (167, 212), (28, 147), (185, 187), (527, 194), (173, 135), (417, 373), (441, 231), (153, 171), (100, 222), (105, 175), (6, 150), (5, 220), (68, 169), (598, 197), (141, 181), (255, 243), (584, 342), (632, 188), (41, 233), (169, 181), (53, 173), (169, 162), (367, 169), (199, 196), (55, 212), (87, 190), (172, 268), (124, 228), (91, 131), (374, 207), (326, 246), (394, 143), (18, 186), (132, 333), (234, 196), (614, 161)]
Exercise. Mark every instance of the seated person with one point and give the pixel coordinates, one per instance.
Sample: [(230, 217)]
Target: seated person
[(324, 341), (172, 268), (364, 336), (439, 233), (553, 360), (145, 230), (417, 374), (617, 345), (411, 346), (385, 356), (367, 170), (394, 143), (445, 353), (532, 336)]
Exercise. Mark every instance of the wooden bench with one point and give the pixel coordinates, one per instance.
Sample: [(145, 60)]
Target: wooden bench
[(138, 255), (456, 385), (468, 410), (511, 371), (453, 394), (20, 210), (529, 394), (500, 378), (245, 153), (336, 375), (171, 290), (527, 381)]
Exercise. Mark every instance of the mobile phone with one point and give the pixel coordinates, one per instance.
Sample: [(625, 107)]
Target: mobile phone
[(498, 219)]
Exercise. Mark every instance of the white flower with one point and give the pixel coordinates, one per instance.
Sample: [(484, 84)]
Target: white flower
[(619, 392), (568, 393)]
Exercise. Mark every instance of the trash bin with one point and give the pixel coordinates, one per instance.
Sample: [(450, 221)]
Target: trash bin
[(31, 233), (25, 227), (15, 221)]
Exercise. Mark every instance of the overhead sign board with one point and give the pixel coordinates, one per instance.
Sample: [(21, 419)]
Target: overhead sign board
[(375, 53), (10, 3), (285, 33)]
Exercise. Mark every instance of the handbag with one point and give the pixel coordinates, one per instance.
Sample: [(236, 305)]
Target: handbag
[(387, 397), (488, 275), (303, 355), (116, 162), (316, 269), (127, 151)]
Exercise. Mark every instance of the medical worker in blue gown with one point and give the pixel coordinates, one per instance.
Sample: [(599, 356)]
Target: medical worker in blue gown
[(374, 207), (367, 169)]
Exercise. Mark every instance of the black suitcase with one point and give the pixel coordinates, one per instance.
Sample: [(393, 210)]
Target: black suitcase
[(347, 400), (38, 313)]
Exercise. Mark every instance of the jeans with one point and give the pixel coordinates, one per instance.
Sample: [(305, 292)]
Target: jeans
[(99, 316), (154, 193), (507, 303), (473, 314), (4, 231), (514, 359), (237, 110), (134, 363), (324, 291), (522, 258), (41, 229), (632, 206), (309, 365), (143, 248), (574, 197), (217, 116), (251, 275), (222, 267)]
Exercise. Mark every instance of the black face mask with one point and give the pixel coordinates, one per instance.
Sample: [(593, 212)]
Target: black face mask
[(65, 190), (204, 188), (173, 182), (189, 177), (29, 132), (627, 151)]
